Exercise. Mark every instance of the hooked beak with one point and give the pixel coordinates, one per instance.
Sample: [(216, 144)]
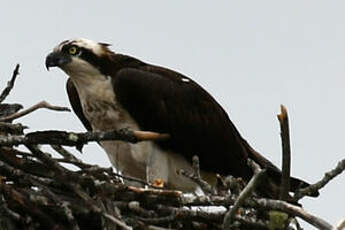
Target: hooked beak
[(58, 59)]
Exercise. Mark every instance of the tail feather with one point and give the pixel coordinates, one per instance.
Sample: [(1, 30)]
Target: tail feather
[(295, 183), (274, 173)]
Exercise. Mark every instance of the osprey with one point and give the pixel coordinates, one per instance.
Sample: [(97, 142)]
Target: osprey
[(110, 91)]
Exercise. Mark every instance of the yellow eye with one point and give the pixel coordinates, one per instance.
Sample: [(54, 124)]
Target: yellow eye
[(73, 50)]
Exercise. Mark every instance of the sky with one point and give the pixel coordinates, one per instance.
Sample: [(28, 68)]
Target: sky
[(252, 56)]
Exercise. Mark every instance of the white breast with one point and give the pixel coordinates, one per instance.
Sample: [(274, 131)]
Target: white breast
[(104, 113), (144, 160)]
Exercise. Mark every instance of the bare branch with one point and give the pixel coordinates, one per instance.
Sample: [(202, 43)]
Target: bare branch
[(70, 217), (254, 166), (40, 105), (15, 129), (117, 221), (71, 159), (246, 192), (196, 166), (20, 199), (320, 184), (77, 139), (10, 84), (195, 176), (9, 109), (286, 162), (293, 211), (63, 177)]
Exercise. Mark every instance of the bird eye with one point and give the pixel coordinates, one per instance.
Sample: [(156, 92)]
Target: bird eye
[(73, 50)]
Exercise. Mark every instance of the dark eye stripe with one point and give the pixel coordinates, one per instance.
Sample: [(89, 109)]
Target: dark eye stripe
[(86, 55), (90, 57)]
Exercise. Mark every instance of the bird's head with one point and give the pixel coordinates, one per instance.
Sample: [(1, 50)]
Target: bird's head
[(79, 56)]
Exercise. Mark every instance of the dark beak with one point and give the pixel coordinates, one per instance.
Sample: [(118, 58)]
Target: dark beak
[(58, 59)]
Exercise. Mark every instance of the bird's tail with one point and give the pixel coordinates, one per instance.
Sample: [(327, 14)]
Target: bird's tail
[(274, 173), (295, 183)]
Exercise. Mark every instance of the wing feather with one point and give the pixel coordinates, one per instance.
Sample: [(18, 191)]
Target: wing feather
[(165, 101)]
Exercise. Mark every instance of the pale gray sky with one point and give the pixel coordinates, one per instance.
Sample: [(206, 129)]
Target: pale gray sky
[(251, 55)]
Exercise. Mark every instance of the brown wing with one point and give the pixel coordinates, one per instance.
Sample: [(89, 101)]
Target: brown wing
[(75, 103), (165, 101)]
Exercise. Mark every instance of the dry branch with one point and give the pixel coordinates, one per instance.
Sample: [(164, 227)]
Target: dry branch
[(40, 105), (139, 207), (195, 177), (53, 137), (323, 182), (286, 162), (293, 210), (10, 84), (14, 129), (245, 193)]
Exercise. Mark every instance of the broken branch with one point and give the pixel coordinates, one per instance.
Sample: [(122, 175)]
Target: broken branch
[(195, 176), (286, 162), (246, 192), (293, 211), (10, 84), (320, 184), (78, 139), (40, 105)]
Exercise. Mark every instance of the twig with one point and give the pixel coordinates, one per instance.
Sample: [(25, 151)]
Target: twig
[(160, 220), (320, 184), (192, 200), (71, 159), (69, 214), (127, 178), (117, 221), (10, 84), (246, 192), (292, 210), (254, 166), (63, 177), (135, 206), (89, 202), (40, 105), (14, 172), (197, 214), (196, 166), (9, 109), (193, 214), (29, 206), (69, 156), (286, 163), (152, 227), (251, 224), (195, 176), (7, 211), (16, 129)]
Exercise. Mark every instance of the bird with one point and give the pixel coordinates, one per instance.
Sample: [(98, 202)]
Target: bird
[(108, 91)]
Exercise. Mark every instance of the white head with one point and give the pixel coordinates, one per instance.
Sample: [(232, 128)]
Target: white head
[(80, 57), (96, 47)]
